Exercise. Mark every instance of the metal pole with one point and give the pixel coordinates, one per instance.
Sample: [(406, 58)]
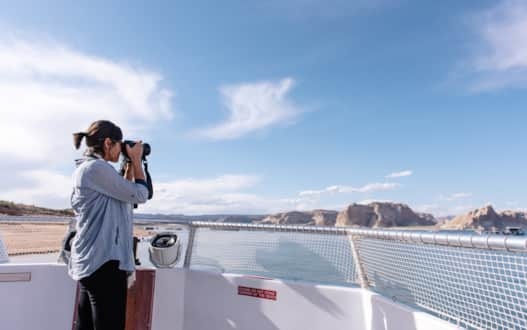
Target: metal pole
[(363, 280), (190, 244)]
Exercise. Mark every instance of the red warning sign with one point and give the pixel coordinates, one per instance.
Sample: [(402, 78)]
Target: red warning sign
[(257, 293)]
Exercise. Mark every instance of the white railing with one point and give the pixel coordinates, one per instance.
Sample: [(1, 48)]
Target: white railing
[(472, 280)]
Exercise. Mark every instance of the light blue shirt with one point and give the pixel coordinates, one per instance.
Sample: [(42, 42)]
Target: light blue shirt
[(102, 201)]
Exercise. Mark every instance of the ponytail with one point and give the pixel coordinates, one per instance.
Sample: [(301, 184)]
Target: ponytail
[(96, 134), (77, 139)]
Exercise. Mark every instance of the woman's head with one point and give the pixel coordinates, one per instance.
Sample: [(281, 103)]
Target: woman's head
[(102, 137)]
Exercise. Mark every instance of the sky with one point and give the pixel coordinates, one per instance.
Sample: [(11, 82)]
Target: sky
[(259, 107)]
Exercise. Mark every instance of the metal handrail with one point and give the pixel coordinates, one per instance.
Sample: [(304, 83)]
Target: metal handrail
[(458, 239)]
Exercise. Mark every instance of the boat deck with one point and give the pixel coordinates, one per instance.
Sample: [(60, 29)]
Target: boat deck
[(43, 297), (262, 277)]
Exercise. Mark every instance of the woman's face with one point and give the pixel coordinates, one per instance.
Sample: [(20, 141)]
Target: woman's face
[(112, 150)]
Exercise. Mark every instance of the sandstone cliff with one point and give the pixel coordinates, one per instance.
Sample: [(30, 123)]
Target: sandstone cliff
[(379, 214), (240, 218), (486, 218), (316, 217)]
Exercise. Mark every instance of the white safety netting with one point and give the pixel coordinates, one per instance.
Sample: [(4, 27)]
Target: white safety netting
[(322, 258), (475, 288)]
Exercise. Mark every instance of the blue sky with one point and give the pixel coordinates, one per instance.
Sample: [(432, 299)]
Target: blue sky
[(267, 106)]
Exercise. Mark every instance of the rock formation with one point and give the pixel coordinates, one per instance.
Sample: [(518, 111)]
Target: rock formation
[(316, 217), (238, 218), (380, 214), (486, 218)]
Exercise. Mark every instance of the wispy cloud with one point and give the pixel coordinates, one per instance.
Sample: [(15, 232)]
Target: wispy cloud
[(440, 210), (220, 194), (224, 194), (368, 188), (456, 196), (232, 193), (399, 174), (501, 57), (369, 201), (49, 90), (253, 107)]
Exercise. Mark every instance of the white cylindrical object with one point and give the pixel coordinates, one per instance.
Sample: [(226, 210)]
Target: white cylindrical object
[(164, 250)]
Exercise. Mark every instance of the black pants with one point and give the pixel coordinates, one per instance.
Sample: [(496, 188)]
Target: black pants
[(102, 299)]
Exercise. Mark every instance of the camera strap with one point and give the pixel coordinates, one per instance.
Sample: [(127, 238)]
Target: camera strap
[(148, 180)]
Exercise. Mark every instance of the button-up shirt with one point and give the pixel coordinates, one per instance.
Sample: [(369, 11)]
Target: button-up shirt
[(102, 201)]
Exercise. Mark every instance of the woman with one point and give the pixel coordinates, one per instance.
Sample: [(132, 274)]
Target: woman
[(101, 252)]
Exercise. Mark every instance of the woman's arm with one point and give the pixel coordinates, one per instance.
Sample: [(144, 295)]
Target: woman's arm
[(128, 172), (102, 177)]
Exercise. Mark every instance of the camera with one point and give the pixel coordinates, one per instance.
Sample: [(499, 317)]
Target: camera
[(126, 159), (146, 148)]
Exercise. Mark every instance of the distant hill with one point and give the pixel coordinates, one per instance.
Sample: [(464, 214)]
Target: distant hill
[(316, 218), (10, 208), (377, 214), (382, 214), (240, 218), (373, 215), (486, 218)]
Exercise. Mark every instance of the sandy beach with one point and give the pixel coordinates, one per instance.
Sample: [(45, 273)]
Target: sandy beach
[(25, 237)]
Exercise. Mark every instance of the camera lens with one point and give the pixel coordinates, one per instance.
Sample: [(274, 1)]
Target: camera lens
[(146, 148)]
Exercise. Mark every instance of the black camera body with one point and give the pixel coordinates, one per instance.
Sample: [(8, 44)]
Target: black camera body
[(146, 148)]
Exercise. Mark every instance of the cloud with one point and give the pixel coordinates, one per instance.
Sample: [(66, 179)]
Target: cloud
[(441, 210), (369, 201), (224, 194), (371, 187), (308, 193), (453, 204), (501, 57), (229, 194), (47, 188), (48, 91), (456, 196), (368, 188), (399, 174), (253, 107)]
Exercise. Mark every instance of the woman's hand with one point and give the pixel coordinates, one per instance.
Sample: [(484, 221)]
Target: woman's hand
[(136, 152)]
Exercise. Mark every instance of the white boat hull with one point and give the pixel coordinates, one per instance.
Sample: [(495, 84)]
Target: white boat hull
[(197, 300)]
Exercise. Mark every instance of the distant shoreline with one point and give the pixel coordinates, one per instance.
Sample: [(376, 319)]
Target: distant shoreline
[(25, 237)]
